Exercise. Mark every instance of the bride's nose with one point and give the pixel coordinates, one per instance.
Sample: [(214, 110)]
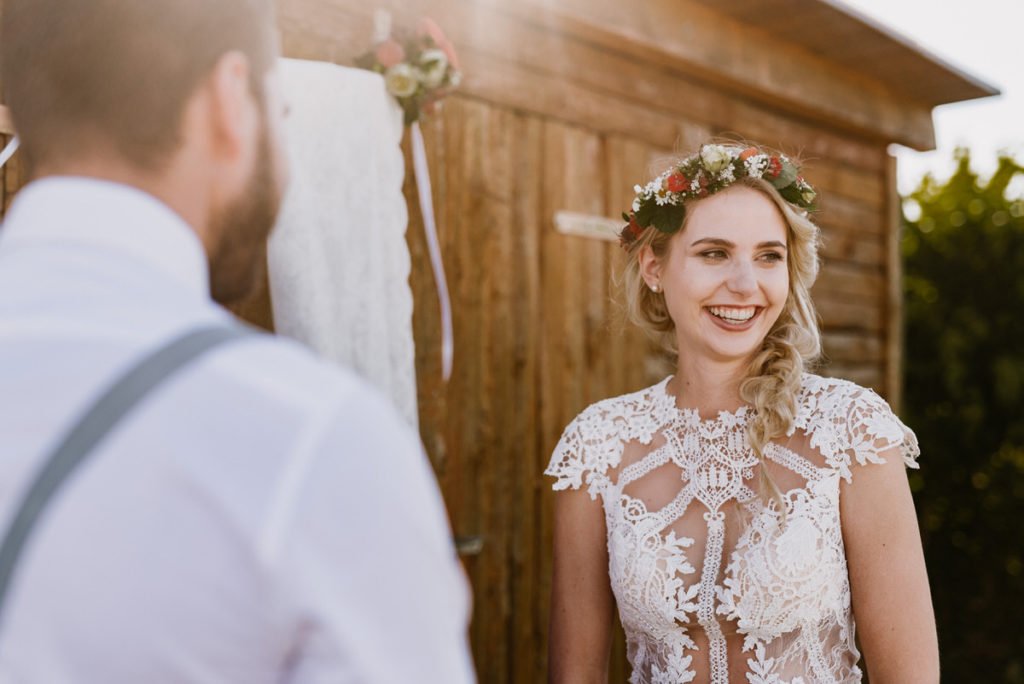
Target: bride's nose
[(741, 278)]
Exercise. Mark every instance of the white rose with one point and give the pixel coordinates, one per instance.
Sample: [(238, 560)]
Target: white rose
[(433, 65), (401, 80), (715, 157)]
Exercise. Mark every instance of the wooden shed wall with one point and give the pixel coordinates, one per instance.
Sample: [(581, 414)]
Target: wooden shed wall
[(552, 119)]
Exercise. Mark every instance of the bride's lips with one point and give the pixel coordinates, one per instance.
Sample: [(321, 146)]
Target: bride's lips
[(733, 326)]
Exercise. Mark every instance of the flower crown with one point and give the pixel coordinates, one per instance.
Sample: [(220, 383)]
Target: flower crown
[(660, 203)]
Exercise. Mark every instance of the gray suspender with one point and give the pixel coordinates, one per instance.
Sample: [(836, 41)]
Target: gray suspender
[(117, 401)]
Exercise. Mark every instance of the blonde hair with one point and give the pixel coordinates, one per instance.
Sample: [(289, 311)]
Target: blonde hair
[(793, 343)]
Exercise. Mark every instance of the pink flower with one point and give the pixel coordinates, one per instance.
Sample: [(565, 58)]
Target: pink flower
[(389, 53), (429, 27)]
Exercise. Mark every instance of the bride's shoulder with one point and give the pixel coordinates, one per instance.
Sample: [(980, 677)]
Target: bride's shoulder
[(820, 394), (592, 442), (851, 423), (652, 400)]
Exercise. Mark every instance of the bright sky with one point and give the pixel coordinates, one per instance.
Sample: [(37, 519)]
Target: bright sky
[(983, 38)]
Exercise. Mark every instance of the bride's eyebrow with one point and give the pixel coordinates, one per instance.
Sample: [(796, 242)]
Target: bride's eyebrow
[(719, 242)]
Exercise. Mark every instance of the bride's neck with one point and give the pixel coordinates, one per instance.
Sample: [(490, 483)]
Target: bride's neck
[(708, 386)]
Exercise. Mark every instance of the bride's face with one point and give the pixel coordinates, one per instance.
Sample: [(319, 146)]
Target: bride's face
[(724, 278)]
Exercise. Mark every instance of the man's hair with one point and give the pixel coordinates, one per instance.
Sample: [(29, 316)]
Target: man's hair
[(118, 73)]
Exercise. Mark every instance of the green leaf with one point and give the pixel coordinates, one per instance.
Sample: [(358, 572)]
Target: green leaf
[(646, 212), (791, 194), (669, 218), (786, 176)]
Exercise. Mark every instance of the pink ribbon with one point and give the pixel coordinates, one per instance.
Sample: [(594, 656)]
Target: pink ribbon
[(422, 171)]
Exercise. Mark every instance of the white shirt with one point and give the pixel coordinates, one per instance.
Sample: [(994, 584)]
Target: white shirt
[(261, 517)]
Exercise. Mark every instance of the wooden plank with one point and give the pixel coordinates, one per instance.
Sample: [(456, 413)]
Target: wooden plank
[(894, 292), (848, 347), (806, 140), (870, 376), (484, 211), (840, 313), (866, 284), (740, 58), (574, 179), (529, 613), (6, 122), (836, 210), (840, 244), (868, 189), (502, 82), (488, 241)]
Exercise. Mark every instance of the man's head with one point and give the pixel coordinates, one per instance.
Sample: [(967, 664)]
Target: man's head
[(175, 96)]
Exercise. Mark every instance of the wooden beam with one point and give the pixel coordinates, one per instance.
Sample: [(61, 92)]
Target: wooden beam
[(894, 294)]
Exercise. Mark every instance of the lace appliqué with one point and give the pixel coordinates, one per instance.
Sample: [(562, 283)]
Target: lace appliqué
[(782, 598)]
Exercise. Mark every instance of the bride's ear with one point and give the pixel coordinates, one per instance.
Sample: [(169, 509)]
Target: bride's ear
[(650, 267)]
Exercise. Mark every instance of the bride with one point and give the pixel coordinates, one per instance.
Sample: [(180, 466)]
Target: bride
[(742, 511)]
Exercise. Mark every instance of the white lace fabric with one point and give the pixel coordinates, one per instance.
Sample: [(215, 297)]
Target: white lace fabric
[(713, 583), (339, 264)]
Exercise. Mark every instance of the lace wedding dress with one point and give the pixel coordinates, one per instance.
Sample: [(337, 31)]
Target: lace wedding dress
[(712, 582)]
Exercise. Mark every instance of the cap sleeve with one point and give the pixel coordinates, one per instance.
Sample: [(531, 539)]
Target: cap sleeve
[(860, 427), (584, 453)]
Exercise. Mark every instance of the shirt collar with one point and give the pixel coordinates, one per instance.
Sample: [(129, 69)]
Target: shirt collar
[(94, 212)]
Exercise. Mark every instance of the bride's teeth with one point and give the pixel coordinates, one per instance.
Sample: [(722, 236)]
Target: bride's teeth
[(735, 315)]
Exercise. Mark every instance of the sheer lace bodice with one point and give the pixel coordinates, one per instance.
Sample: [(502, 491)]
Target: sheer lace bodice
[(712, 582)]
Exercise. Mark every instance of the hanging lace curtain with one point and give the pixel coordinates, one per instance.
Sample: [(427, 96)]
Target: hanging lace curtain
[(339, 264)]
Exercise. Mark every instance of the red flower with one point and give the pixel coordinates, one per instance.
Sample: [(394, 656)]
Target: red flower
[(774, 168), (677, 182), (748, 153), (634, 227), (631, 233)]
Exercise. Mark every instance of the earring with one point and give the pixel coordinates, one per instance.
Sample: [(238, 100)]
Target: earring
[(655, 288)]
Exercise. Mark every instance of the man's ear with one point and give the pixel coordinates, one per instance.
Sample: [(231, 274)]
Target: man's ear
[(650, 266), (232, 108)]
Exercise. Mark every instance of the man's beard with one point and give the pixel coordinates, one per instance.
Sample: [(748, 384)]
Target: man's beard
[(239, 261)]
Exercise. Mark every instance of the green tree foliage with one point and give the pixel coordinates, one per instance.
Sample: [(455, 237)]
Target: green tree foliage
[(964, 396)]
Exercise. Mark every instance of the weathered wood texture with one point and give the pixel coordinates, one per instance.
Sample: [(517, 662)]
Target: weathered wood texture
[(6, 125)]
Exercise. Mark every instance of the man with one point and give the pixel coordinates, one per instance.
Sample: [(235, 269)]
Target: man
[(260, 516)]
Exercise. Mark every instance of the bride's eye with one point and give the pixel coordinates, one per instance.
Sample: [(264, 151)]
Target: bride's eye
[(714, 254)]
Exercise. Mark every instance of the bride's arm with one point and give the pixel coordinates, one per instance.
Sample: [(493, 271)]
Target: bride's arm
[(891, 600), (581, 598)]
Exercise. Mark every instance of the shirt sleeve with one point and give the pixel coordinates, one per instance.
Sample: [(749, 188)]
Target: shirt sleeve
[(367, 556)]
